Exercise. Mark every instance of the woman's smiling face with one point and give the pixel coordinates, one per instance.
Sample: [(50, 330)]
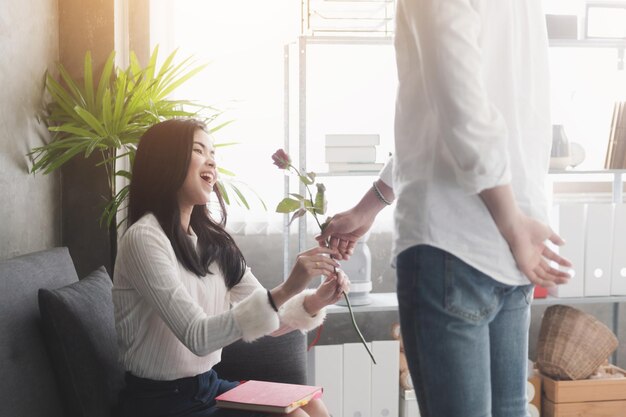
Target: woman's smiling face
[(201, 174)]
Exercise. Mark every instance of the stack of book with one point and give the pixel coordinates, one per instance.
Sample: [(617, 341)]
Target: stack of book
[(352, 152), (616, 151)]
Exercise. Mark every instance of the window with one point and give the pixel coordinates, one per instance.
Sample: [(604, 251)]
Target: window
[(243, 43)]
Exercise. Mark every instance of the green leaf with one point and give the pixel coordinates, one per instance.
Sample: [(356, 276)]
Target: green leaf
[(72, 129), (259, 198), (175, 84), (107, 112), (105, 79), (88, 80), (90, 120), (113, 207), (297, 214), (60, 96), (224, 171), (166, 64), (224, 144), (60, 160), (73, 87), (149, 70), (320, 199), (297, 196), (220, 126), (231, 184), (220, 186), (134, 66), (120, 85), (306, 180), (242, 199), (287, 205), (124, 173)]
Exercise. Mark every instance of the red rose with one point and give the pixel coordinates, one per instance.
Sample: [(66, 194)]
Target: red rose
[(281, 159)]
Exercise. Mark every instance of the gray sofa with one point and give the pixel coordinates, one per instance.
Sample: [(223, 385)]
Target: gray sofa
[(58, 354)]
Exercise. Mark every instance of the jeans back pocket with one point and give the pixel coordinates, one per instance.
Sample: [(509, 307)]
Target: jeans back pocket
[(469, 293)]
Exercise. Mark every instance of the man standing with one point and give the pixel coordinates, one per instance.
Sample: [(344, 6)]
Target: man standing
[(472, 146)]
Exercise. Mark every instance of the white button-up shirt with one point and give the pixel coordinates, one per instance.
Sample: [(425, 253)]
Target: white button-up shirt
[(472, 113)]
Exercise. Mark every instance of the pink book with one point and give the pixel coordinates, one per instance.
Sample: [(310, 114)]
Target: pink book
[(271, 397)]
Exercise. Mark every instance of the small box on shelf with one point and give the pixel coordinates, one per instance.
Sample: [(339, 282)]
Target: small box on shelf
[(408, 404), (351, 139), (598, 246), (355, 154), (540, 292), (618, 268), (561, 26), (587, 397), (568, 220)]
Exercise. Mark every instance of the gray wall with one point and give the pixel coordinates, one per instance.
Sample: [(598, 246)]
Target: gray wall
[(39, 212), (30, 208), (263, 254)]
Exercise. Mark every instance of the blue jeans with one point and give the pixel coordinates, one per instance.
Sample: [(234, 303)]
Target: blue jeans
[(465, 336)]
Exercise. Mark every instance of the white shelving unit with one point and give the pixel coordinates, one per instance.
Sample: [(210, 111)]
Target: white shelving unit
[(617, 197), (580, 300), (617, 194), (326, 22), (387, 301)]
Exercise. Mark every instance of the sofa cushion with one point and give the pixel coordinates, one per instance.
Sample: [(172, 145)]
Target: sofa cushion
[(279, 359), (79, 329), (27, 384)]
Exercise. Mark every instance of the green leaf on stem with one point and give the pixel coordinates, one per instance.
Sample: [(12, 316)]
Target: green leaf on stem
[(320, 199), (299, 197), (297, 214), (287, 205), (306, 180)]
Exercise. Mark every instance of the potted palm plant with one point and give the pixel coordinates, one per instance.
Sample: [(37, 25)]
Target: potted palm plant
[(107, 118)]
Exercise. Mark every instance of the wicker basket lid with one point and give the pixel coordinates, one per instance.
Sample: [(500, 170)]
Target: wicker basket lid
[(572, 344)]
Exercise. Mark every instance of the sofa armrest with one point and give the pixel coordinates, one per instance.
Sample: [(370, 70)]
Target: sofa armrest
[(278, 359)]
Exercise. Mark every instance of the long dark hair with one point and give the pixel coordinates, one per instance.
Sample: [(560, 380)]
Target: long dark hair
[(159, 170)]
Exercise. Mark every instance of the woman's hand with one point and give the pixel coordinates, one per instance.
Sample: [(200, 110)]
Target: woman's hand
[(309, 264), (329, 292)]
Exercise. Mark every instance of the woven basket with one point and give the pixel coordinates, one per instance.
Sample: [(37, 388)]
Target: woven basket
[(572, 344)]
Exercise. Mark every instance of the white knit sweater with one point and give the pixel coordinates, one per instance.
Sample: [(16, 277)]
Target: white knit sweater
[(172, 324)]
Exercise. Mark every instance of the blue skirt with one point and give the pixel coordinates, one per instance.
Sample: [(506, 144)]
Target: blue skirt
[(189, 397)]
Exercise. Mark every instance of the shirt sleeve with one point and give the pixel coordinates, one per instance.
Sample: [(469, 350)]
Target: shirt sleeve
[(292, 314), (246, 286), (152, 269), (386, 174), (447, 35)]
